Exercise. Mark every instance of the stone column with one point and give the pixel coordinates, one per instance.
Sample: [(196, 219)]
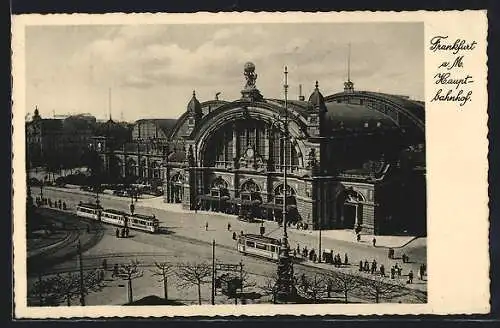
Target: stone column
[(235, 142)]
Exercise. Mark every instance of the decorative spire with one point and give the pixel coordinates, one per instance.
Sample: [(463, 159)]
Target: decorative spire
[(317, 100), (194, 107), (349, 64), (349, 85), (109, 104)]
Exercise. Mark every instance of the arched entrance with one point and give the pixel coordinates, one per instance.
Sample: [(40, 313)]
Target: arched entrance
[(216, 199), (292, 215), (350, 209), (115, 169), (249, 206), (176, 191), (130, 168)]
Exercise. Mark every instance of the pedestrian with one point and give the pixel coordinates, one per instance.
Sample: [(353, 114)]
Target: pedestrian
[(367, 266), (126, 232), (361, 266), (64, 206), (404, 258), (374, 241), (393, 272), (229, 227), (105, 264), (374, 266), (298, 249), (421, 272), (117, 233), (123, 233), (382, 270), (234, 235), (115, 271), (206, 226), (358, 237), (346, 259), (410, 277)]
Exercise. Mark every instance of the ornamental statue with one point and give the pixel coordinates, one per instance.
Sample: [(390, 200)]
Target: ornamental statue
[(250, 92), (250, 75)]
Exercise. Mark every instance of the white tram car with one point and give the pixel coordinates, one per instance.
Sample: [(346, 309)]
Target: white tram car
[(88, 210), (114, 217), (148, 223), (259, 246)]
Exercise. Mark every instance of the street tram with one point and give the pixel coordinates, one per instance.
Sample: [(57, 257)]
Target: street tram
[(88, 210), (251, 244), (114, 217), (148, 223)]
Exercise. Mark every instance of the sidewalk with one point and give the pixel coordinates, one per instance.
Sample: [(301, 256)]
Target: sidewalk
[(192, 225), (339, 235), (188, 224)]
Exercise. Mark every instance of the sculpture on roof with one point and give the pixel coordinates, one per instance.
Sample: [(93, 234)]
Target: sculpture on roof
[(250, 75), (250, 92)]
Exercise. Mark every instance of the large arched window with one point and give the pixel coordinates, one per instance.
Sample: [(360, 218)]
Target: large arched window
[(131, 166), (233, 141), (280, 157)]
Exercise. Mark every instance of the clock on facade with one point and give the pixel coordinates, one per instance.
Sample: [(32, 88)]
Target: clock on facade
[(250, 152)]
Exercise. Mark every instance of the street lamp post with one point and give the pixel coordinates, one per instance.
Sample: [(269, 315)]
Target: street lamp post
[(285, 288)]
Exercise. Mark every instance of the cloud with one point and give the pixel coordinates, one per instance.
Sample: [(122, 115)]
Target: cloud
[(159, 64)]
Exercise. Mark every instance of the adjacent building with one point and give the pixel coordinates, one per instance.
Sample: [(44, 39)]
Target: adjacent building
[(58, 143)]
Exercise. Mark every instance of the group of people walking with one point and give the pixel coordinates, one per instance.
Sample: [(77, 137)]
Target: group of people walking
[(122, 233), (47, 201)]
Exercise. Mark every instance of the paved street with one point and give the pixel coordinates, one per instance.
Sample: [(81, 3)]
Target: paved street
[(187, 240)]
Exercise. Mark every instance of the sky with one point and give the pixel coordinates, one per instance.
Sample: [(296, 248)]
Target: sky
[(150, 71)]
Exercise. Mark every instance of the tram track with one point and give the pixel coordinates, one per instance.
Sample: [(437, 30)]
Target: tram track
[(300, 266)]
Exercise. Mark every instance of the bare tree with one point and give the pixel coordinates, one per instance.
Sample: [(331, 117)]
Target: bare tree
[(64, 287), (313, 287), (67, 286), (379, 287), (164, 270), (194, 274), (270, 286), (344, 283), (240, 281), (130, 272), (44, 290)]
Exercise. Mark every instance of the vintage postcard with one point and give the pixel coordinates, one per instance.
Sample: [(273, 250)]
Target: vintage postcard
[(250, 164)]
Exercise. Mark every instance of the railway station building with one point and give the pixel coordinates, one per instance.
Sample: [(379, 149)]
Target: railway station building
[(355, 159)]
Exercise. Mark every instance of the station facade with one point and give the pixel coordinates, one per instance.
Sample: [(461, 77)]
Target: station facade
[(355, 159)]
